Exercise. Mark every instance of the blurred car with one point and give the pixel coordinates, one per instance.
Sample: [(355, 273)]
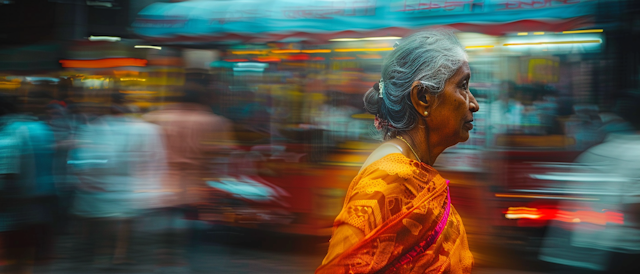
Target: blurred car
[(535, 193)]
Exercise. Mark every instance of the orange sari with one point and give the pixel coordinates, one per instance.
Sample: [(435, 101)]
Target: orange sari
[(397, 218)]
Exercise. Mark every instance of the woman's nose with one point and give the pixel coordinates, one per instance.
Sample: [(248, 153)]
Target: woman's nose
[(473, 104)]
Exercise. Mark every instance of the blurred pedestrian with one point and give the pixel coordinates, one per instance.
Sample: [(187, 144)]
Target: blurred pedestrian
[(59, 121), (118, 161), (193, 135), (27, 190), (397, 215)]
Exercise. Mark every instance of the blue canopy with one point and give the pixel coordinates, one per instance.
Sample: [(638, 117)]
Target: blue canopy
[(257, 18)]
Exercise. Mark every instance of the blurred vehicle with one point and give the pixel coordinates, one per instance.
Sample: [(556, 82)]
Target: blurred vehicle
[(525, 198), (270, 188), (245, 201)]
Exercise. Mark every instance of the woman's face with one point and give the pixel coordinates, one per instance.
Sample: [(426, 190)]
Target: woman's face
[(450, 117)]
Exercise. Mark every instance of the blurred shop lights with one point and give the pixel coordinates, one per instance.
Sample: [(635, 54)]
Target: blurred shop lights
[(582, 31), (10, 84), (588, 40), (522, 213), (248, 52), (479, 47), (298, 57), (132, 79), (572, 177), (267, 59), (563, 32), (580, 216), (316, 51), (249, 67), (104, 38), (286, 51), (258, 52), (366, 39), (556, 197), (252, 65), (104, 63), (365, 49), (343, 58), (554, 43), (147, 47)]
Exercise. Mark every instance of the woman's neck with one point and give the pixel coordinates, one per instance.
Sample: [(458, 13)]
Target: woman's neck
[(424, 145)]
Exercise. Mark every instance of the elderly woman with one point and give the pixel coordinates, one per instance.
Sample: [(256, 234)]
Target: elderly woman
[(397, 216)]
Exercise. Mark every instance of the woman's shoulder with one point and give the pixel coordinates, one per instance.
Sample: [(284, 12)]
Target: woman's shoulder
[(392, 171), (388, 158), (379, 154)]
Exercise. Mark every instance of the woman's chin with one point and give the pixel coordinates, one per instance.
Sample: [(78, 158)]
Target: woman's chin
[(464, 136)]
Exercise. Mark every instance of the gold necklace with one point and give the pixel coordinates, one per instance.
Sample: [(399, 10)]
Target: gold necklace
[(414, 152)]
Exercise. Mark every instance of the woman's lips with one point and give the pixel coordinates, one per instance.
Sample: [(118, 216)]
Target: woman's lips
[(469, 125)]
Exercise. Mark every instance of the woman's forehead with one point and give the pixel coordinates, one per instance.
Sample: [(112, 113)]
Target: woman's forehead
[(463, 71)]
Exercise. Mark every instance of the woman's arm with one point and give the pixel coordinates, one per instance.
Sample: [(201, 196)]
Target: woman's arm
[(344, 237)]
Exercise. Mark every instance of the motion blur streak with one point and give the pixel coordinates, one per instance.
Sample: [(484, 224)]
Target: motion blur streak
[(600, 218), (500, 195), (553, 43), (104, 63), (369, 49), (582, 31)]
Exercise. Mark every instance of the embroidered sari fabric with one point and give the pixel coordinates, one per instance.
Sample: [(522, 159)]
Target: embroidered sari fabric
[(397, 218)]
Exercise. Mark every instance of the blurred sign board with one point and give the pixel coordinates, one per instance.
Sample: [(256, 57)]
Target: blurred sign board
[(199, 58), (543, 70), (254, 18)]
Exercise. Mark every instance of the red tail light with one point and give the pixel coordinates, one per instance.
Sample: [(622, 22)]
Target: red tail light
[(580, 216)]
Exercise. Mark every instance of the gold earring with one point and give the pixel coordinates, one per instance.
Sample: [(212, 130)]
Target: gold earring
[(426, 113)]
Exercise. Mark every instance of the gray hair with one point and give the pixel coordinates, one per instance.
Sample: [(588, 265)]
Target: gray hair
[(430, 57)]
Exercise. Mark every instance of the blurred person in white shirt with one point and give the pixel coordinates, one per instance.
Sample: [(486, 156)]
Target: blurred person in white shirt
[(615, 246), (119, 161)]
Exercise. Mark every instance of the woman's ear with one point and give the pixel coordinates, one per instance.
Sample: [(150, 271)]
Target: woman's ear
[(421, 98)]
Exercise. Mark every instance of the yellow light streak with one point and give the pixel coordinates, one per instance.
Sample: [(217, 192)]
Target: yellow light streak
[(371, 49), (553, 43), (582, 31), (479, 47), (316, 51), (286, 51), (248, 52), (133, 79)]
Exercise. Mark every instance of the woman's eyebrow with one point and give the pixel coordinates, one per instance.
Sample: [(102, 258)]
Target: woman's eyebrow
[(465, 77)]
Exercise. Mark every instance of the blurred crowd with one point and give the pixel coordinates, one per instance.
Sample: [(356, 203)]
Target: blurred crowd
[(93, 172)]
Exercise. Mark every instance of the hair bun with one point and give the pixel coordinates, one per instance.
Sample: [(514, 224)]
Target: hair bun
[(372, 100)]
